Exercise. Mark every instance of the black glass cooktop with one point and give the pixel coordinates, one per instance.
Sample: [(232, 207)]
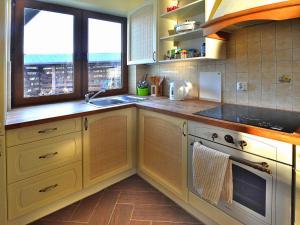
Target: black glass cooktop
[(272, 119)]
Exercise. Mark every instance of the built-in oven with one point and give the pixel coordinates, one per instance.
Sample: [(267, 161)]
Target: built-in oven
[(262, 186)]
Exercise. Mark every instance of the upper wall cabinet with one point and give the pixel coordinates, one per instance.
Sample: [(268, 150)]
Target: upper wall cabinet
[(142, 26), (2, 62)]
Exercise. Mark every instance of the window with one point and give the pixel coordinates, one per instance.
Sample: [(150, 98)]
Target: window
[(48, 57), (104, 61), (60, 53)]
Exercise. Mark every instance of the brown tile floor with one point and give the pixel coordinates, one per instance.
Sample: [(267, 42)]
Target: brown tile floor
[(130, 202)]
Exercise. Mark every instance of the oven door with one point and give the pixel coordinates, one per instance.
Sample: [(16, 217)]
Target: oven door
[(253, 190)]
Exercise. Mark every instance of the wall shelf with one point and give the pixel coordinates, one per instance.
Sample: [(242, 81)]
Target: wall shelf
[(185, 11), (198, 33)]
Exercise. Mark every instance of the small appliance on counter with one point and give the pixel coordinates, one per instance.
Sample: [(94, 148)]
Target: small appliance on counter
[(178, 90)]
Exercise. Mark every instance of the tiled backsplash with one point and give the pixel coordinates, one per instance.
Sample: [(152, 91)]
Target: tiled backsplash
[(259, 55)]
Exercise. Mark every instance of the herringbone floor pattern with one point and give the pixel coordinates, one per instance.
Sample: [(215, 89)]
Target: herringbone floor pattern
[(130, 202)]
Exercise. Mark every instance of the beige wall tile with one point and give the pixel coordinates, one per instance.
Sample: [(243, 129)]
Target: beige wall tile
[(296, 66), (284, 54), (283, 67), (241, 66), (296, 53), (268, 67), (283, 34)]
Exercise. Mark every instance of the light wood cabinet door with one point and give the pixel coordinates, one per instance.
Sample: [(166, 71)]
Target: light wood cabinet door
[(298, 198), (2, 182), (108, 144), (142, 35), (298, 185), (163, 151)]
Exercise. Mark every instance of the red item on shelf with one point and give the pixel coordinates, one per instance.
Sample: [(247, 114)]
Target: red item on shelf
[(171, 8)]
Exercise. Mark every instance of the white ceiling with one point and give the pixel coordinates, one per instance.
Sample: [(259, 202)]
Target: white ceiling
[(115, 7)]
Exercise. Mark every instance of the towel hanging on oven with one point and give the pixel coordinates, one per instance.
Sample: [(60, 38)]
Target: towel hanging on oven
[(212, 174)]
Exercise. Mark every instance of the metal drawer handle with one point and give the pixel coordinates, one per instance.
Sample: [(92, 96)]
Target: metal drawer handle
[(154, 56), (50, 188), (48, 156), (47, 130)]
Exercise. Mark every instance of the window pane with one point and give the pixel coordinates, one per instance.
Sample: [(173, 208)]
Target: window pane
[(104, 55), (48, 53)]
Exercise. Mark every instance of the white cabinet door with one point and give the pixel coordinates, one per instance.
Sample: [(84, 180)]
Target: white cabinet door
[(142, 24), (2, 182), (2, 62)]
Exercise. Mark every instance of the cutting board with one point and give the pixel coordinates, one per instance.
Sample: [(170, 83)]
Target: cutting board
[(210, 86)]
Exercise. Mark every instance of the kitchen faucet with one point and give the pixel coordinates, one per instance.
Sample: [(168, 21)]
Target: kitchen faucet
[(88, 98)]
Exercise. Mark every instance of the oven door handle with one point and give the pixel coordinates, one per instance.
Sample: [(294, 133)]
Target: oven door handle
[(261, 166)]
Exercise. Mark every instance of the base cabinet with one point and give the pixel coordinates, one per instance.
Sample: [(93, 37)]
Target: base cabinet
[(298, 198), (2, 182), (163, 151), (108, 145), (31, 194)]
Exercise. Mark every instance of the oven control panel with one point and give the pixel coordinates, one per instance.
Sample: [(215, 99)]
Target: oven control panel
[(268, 148)]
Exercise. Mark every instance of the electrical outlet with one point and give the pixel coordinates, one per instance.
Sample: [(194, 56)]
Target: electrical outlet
[(285, 78), (242, 86)]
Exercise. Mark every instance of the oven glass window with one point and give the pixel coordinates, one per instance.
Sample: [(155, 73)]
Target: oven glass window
[(249, 190)]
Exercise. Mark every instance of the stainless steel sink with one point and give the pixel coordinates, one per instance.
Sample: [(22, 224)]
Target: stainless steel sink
[(119, 100), (129, 98)]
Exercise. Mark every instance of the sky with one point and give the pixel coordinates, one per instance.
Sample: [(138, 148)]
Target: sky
[(52, 33)]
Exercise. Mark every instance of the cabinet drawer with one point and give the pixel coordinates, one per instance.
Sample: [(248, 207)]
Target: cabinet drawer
[(27, 160), (39, 132), (31, 194)]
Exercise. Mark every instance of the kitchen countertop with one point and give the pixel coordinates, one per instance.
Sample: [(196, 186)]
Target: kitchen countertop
[(28, 116)]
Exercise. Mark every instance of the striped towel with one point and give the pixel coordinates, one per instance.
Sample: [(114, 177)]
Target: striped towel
[(212, 174)]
